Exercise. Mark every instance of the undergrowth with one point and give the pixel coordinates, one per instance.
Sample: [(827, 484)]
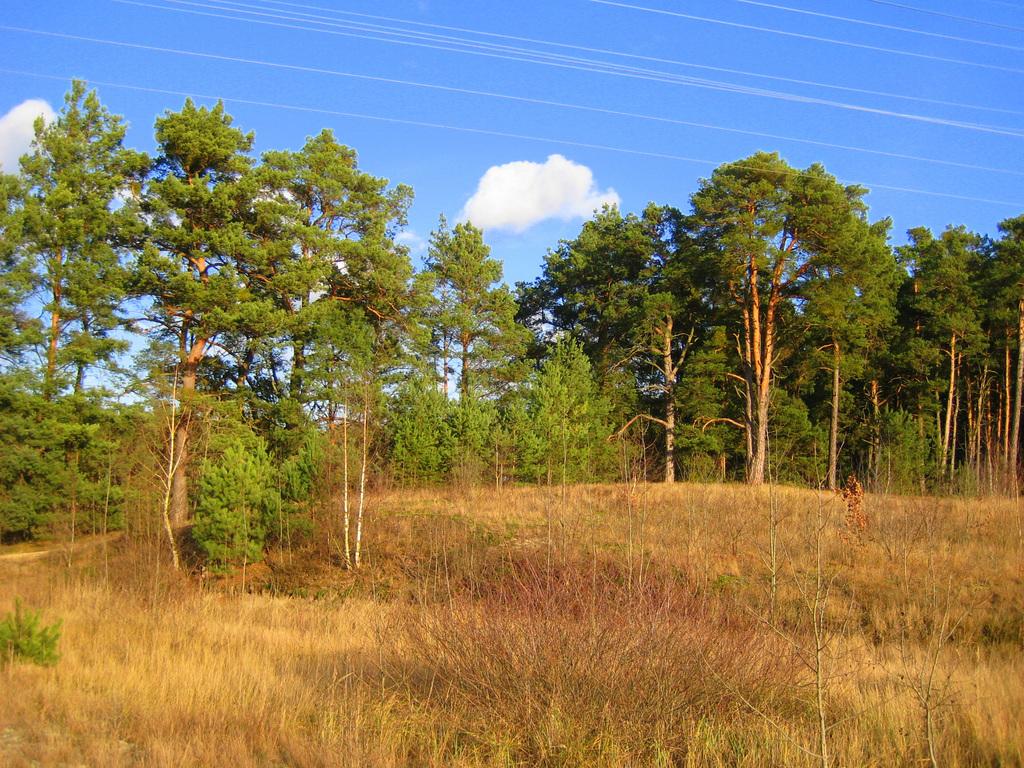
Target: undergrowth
[(586, 626)]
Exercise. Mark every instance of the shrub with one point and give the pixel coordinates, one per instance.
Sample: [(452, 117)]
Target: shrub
[(237, 497), (22, 638), (572, 664)]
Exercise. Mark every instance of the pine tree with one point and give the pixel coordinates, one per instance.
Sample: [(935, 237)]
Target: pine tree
[(237, 501), (848, 304), (73, 175), (421, 443), (709, 413), (471, 426), (768, 227), (23, 637), (18, 330), (202, 266), (629, 289), (338, 225), (592, 289), (1008, 276), (566, 436), (948, 303), (471, 319)]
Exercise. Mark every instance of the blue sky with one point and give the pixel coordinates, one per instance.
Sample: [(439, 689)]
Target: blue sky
[(525, 115)]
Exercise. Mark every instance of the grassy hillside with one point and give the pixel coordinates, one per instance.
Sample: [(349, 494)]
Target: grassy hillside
[(593, 625)]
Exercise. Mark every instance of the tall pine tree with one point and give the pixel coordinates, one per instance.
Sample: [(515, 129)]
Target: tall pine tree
[(77, 168), (470, 317)]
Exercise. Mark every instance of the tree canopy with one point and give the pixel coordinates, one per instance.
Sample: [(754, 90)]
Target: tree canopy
[(231, 326)]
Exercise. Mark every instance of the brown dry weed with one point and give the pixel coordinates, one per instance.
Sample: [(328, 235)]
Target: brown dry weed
[(587, 625)]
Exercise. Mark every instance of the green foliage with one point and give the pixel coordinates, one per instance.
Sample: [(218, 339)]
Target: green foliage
[(471, 425), (907, 454), (238, 499), (342, 284), (301, 473), (18, 330), (566, 437), (24, 638), (436, 440), (773, 231), (58, 468), (421, 443), (710, 412), (593, 288), (72, 230), (473, 333), (798, 447), (275, 284), (200, 267), (301, 482)]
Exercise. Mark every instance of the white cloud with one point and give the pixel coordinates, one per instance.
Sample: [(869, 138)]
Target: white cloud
[(518, 195), (16, 131), (416, 244)]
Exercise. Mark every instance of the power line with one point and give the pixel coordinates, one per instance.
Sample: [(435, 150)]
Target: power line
[(692, 83), (485, 132), (595, 66), (539, 102), (595, 50), (876, 48), (795, 81), (951, 16), (883, 26)]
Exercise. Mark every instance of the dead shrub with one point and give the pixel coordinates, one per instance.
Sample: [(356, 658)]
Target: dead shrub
[(856, 524), (569, 661)]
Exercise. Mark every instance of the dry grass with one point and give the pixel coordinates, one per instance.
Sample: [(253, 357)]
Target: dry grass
[(592, 625)]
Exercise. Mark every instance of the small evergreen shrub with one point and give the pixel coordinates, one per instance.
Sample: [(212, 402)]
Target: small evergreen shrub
[(237, 499), (23, 638)]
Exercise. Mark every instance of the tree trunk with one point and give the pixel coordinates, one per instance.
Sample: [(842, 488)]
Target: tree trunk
[(833, 431), (49, 380), (760, 382), (179, 483), (464, 374), (1005, 400), (364, 457), (1015, 429), (947, 427), (749, 398), (669, 370), (1006, 404), (982, 446), (875, 457), (757, 364), (670, 440), (760, 365), (168, 489), (345, 491), (50, 383), (759, 462), (80, 366), (973, 424)]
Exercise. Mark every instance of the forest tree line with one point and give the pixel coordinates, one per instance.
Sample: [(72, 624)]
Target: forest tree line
[(235, 341)]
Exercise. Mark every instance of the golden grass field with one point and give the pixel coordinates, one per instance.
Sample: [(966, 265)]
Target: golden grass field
[(611, 625)]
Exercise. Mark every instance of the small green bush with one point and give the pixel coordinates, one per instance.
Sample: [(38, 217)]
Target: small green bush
[(23, 639), (237, 498)]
